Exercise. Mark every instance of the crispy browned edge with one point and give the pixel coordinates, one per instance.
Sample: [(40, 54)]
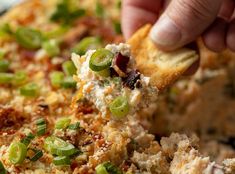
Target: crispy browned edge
[(146, 53)]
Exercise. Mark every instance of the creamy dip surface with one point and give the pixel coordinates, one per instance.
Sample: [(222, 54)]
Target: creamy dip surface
[(101, 91)]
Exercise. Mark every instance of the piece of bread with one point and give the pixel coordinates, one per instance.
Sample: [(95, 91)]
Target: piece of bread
[(162, 67)]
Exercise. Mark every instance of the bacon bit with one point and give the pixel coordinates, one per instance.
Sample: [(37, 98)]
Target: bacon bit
[(26, 54), (10, 118), (131, 79), (121, 63), (74, 35), (74, 165)]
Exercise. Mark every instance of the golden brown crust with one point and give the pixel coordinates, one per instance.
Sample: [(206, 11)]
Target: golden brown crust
[(162, 67)]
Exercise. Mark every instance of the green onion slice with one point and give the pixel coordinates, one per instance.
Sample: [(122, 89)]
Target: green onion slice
[(104, 73), (17, 152), (119, 107), (40, 121), (56, 78), (74, 126), (2, 169), (61, 161), (101, 59), (27, 139), (28, 38), (62, 123), (41, 129), (68, 82), (69, 68), (2, 54), (99, 9), (6, 78), (51, 47), (57, 146), (100, 169), (29, 90), (86, 44), (19, 78), (37, 154), (4, 65)]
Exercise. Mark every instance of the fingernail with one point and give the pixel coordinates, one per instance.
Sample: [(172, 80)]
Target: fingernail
[(165, 32)]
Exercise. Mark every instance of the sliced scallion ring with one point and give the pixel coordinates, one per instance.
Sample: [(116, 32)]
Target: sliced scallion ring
[(57, 146), (2, 169), (56, 78), (69, 68), (27, 139), (20, 78), (68, 82), (104, 73), (41, 129), (40, 121), (100, 169), (37, 154), (6, 78), (85, 44), (119, 107), (101, 59), (28, 38), (51, 47), (17, 152), (61, 161), (4, 65), (62, 123), (74, 126), (29, 90)]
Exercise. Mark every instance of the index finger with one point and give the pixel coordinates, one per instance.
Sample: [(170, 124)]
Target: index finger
[(136, 13)]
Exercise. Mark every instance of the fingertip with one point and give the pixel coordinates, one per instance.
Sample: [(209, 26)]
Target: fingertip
[(215, 37), (230, 40), (133, 18)]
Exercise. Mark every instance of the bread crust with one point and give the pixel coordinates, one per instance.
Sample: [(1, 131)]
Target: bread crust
[(163, 68)]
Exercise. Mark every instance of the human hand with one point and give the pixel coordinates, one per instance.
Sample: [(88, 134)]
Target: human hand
[(182, 21)]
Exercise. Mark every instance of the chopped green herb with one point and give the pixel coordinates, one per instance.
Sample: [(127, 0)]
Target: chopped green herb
[(2, 169), (29, 90), (40, 121), (100, 169), (41, 129), (117, 27), (101, 59), (119, 107), (19, 78), (56, 78), (56, 33), (61, 161), (28, 38), (4, 65), (51, 47), (5, 30), (85, 44), (37, 154), (74, 126), (99, 9), (17, 152), (6, 78), (27, 139), (69, 83), (62, 123), (107, 168), (2, 54), (65, 14), (57, 146), (69, 68)]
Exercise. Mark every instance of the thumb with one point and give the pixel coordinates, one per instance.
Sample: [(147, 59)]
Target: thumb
[(183, 21)]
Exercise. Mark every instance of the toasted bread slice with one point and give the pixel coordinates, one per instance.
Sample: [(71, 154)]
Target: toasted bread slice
[(163, 68)]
